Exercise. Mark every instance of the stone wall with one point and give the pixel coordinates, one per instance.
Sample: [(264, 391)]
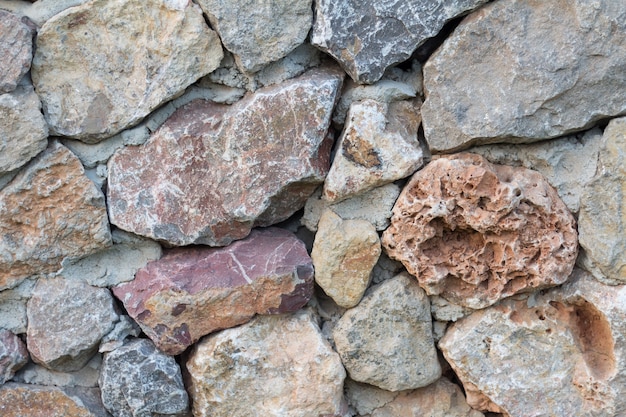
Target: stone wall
[(297, 208)]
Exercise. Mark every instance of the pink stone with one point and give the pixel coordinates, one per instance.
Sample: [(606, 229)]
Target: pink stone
[(13, 355)]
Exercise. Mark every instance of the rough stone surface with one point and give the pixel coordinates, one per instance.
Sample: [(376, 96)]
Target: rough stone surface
[(50, 211), (13, 306), (123, 329), (387, 339), (94, 81), (23, 130), (344, 254), (36, 374), (377, 146), (66, 321), (259, 33), (566, 347), (16, 50), (274, 365), (13, 355), (475, 232), (496, 80), (268, 153), (137, 380), (367, 37), (191, 292)]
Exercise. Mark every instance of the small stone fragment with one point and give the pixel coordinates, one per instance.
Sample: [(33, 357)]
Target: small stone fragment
[(475, 232), (13, 355), (13, 306), (36, 374), (16, 51), (123, 329)]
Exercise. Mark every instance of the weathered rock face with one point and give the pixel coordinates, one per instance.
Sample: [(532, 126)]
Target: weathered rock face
[(192, 292), (475, 232), (138, 380), (565, 347), (49, 212), (367, 37), (35, 374), (387, 339), (94, 81), (13, 355), (495, 79), (13, 306), (274, 365), (16, 50), (227, 168)]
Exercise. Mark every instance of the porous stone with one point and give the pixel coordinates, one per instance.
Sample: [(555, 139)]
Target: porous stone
[(267, 154), (367, 37), (66, 321), (13, 355), (496, 80), (191, 292), (386, 340), (344, 254), (137, 380), (565, 347), (94, 81), (16, 50), (50, 211), (36, 374), (273, 365), (13, 306), (475, 232), (377, 146)]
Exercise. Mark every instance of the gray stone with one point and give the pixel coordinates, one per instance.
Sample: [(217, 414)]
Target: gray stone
[(13, 355), (87, 376), (39, 11), (123, 329), (16, 50), (13, 306)]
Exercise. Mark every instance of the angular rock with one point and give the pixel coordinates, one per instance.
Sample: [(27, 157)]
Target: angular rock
[(258, 34), (36, 374), (565, 347), (267, 154), (377, 146), (191, 292), (16, 50), (475, 232), (13, 355), (123, 329), (13, 306), (387, 340), (66, 321), (274, 365), (367, 37), (344, 254), (496, 80), (92, 78), (23, 130), (138, 380), (65, 211)]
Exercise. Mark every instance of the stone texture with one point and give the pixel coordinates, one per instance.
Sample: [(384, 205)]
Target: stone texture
[(367, 37), (268, 153), (50, 211), (259, 33), (344, 254), (274, 365), (137, 380), (23, 130), (565, 347), (496, 80), (123, 329), (13, 306), (13, 355), (475, 232), (16, 50), (66, 321), (377, 146), (94, 81), (191, 292), (39, 11), (387, 339), (36, 374)]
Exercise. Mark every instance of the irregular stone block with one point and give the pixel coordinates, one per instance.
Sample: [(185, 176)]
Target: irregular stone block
[(191, 292), (103, 66), (13, 306), (496, 80), (475, 232), (273, 365), (16, 50), (36, 374), (13, 355), (211, 171)]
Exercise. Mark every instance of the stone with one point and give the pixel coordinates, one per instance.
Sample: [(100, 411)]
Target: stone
[(475, 232), (16, 50), (65, 211), (13, 355), (274, 365), (344, 254), (496, 80), (268, 153), (123, 329), (364, 398), (377, 146), (13, 306), (23, 130), (36, 374), (387, 340), (443, 310), (259, 34), (39, 11), (66, 321), (565, 346), (191, 292), (138, 380), (601, 223), (92, 79), (385, 269), (368, 37)]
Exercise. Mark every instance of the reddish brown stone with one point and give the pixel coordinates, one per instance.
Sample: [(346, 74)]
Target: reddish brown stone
[(16, 50), (13, 355), (191, 292)]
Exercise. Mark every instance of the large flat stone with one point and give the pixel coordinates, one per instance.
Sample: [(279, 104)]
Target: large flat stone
[(16, 50)]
